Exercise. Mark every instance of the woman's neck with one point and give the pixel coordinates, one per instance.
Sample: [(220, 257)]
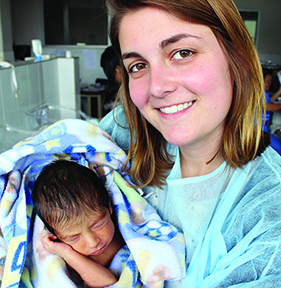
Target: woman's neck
[(199, 168), (200, 161)]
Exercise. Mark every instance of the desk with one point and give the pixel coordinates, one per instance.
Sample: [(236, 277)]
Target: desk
[(92, 105), (91, 100)]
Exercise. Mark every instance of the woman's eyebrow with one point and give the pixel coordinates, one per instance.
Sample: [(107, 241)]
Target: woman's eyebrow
[(176, 38), (163, 44), (131, 55)]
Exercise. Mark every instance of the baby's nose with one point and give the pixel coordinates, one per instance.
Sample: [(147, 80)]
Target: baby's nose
[(92, 240)]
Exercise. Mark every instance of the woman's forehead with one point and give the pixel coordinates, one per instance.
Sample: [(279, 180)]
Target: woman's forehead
[(150, 23)]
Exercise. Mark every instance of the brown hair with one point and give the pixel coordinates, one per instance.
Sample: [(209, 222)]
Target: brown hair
[(67, 191), (243, 137)]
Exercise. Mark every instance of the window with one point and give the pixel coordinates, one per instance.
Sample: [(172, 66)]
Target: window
[(250, 19), (68, 22)]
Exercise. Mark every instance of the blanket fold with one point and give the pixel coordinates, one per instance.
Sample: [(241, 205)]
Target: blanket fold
[(154, 249)]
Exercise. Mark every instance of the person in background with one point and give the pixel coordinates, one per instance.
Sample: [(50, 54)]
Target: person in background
[(110, 64), (267, 83), (271, 107), (191, 121)]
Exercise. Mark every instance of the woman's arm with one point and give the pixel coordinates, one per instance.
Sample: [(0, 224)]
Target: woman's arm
[(272, 107), (92, 273), (276, 95)]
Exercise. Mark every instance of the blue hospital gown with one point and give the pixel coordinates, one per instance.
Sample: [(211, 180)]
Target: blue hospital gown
[(238, 242)]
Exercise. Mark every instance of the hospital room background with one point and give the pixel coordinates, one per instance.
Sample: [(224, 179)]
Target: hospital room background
[(68, 81)]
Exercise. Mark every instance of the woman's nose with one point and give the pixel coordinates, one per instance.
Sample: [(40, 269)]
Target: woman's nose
[(161, 83)]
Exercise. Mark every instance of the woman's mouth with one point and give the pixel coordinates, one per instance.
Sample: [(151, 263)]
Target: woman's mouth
[(176, 108)]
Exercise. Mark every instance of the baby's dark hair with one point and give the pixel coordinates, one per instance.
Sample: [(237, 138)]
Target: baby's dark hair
[(65, 190)]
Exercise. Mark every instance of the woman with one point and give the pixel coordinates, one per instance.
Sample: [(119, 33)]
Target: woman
[(192, 96)]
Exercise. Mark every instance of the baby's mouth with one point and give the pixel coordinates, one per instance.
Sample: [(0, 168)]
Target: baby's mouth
[(99, 251)]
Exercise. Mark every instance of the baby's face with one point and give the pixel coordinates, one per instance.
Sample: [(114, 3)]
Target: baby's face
[(92, 237)]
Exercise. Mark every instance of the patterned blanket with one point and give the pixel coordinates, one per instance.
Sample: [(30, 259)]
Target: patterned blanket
[(154, 249)]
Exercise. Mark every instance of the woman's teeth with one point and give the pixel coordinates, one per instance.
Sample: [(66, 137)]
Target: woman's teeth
[(175, 108)]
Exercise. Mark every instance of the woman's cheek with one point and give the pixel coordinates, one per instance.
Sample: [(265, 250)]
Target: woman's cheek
[(138, 93)]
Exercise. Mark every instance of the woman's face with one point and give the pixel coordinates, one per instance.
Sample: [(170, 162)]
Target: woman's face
[(178, 76)]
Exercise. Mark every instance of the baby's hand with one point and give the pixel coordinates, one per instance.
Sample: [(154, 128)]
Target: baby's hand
[(52, 245)]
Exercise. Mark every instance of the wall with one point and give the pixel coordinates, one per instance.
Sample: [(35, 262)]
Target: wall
[(6, 49), (87, 74), (27, 20), (269, 41), (1, 39)]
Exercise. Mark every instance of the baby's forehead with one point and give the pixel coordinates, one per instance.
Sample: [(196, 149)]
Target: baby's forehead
[(77, 222)]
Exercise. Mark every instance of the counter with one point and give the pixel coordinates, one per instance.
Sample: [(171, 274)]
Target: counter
[(54, 81)]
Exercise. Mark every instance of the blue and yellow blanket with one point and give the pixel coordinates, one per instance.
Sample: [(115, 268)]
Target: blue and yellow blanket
[(154, 250)]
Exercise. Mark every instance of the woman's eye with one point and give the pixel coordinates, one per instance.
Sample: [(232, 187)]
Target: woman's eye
[(138, 67), (182, 54)]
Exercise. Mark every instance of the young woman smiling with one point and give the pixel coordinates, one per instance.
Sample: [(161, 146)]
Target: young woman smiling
[(192, 98)]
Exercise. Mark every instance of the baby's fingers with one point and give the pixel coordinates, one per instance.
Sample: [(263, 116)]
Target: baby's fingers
[(48, 240), (52, 237)]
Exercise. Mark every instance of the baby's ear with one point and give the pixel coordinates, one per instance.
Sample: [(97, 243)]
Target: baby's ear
[(93, 166)]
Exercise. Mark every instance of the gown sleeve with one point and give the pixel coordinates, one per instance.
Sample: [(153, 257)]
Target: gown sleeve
[(114, 123), (244, 250)]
